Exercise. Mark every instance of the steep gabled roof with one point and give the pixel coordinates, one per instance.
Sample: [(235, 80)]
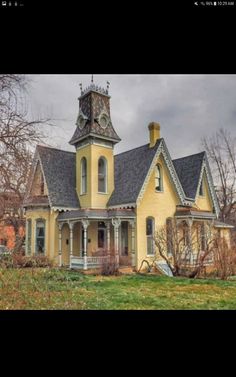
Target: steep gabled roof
[(59, 169), (189, 170), (131, 168)]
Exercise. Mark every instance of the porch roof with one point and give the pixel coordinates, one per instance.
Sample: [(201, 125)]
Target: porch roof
[(194, 213), (96, 214), (220, 224)]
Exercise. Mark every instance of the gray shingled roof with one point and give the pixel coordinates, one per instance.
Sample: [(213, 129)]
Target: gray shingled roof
[(131, 168), (188, 170), (60, 174)]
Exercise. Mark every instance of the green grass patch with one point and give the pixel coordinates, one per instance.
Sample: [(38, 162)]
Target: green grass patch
[(45, 288)]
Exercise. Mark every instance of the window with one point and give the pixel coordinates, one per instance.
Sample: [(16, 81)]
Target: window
[(169, 236), (201, 192), (102, 175), (83, 176), (29, 236), (185, 235), (101, 234), (42, 185), (40, 237), (203, 237), (150, 235), (158, 179)]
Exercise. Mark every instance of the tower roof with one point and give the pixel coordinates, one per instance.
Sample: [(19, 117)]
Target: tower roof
[(94, 118)]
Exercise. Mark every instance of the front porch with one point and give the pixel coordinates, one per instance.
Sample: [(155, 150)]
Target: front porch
[(89, 238)]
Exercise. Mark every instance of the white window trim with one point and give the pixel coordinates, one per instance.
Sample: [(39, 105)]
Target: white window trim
[(35, 236), (81, 177), (106, 170), (160, 178)]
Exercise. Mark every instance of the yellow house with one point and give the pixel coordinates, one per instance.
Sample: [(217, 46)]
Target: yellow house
[(83, 206)]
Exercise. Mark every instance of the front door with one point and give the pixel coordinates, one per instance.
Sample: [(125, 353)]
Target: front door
[(124, 249)]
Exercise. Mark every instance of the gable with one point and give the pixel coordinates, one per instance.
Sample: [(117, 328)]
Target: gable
[(204, 202), (189, 170), (159, 204), (37, 182)]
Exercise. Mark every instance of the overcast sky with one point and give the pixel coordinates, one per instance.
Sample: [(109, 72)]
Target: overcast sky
[(187, 107)]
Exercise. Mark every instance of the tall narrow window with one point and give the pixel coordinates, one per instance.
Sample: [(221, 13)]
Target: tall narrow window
[(150, 234), (203, 237), (42, 185), (158, 179), (169, 236), (40, 237), (83, 175), (29, 237), (102, 175), (201, 192)]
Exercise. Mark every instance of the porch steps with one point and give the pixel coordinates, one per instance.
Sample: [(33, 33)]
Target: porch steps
[(126, 270)]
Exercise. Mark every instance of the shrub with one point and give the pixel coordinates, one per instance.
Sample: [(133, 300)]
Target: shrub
[(19, 260), (110, 267)]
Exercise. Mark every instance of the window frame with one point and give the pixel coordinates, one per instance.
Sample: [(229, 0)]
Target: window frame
[(158, 178), (150, 236), (201, 189), (36, 237), (83, 176), (102, 158)]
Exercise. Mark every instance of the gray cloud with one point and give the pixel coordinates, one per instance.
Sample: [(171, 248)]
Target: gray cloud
[(188, 107)]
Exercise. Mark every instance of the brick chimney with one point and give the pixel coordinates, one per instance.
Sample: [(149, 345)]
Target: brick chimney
[(154, 133)]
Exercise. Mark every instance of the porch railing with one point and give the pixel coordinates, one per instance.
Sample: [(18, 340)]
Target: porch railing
[(90, 262)]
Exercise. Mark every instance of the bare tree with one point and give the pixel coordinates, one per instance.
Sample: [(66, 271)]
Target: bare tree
[(18, 136), (221, 150), (185, 251)]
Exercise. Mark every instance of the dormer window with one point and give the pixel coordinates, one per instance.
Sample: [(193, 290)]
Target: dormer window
[(158, 178), (201, 192)]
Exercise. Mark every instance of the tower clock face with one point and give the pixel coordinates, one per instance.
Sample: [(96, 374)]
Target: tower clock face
[(103, 120), (81, 120)]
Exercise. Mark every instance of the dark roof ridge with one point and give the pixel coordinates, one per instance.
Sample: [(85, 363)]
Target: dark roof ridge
[(191, 155), (141, 146), (56, 149)]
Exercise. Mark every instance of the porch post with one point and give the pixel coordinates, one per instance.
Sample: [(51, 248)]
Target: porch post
[(71, 226), (132, 223), (108, 238), (85, 224), (116, 223), (59, 244)]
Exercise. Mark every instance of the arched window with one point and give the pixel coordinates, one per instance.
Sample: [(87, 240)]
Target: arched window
[(150, 228), (83, 175), (102, 175), (201, 192), (158, 179), (40, 236), (42, 185)]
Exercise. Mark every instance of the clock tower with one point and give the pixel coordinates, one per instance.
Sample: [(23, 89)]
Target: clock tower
[(94, 140)]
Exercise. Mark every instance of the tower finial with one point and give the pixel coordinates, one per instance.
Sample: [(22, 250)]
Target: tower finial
[(81, 87), (108, 85), (92, 79)]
